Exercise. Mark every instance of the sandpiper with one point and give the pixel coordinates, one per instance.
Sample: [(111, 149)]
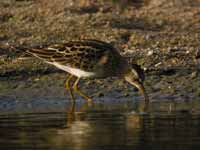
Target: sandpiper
[(90, 59)]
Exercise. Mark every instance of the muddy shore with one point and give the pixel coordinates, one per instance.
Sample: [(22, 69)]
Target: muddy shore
[(163, 39)]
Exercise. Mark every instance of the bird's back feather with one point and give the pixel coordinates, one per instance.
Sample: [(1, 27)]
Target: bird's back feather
[(85, 55)]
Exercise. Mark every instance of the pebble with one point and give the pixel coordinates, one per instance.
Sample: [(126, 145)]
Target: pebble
[(194, 74), (150, 53), (158, 64)]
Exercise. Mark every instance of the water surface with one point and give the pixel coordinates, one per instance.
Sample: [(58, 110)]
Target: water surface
[(101, 127)]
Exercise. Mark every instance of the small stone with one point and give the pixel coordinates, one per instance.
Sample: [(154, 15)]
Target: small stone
[(36, 79), (158, 64), (150, 53), (169, 87), (194, 74), (145, 68)]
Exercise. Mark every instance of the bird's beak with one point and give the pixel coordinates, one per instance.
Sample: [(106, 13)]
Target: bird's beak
[(141, 88)]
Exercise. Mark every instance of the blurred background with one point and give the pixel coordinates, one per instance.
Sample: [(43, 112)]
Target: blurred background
[(47, 21)]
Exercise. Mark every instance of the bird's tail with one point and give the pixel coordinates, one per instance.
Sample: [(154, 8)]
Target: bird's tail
[(18, 52), (24, 54)]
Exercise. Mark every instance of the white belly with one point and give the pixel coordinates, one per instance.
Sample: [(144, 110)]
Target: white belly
[(74, 71)]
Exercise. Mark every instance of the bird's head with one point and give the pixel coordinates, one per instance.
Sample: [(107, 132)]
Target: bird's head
[(135, 76)]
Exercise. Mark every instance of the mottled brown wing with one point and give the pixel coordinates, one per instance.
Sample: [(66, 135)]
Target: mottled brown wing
[(85, 54), (49, 54)]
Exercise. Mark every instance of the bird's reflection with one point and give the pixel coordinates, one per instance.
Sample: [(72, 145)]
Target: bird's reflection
[(90, 127), (77, 115), (98, 127)]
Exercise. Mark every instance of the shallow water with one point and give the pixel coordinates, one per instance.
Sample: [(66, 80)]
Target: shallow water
[(103, 126)]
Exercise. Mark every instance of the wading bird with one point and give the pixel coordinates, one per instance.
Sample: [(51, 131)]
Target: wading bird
[(90, 59)]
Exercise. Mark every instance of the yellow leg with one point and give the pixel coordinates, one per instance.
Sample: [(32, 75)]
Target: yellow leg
[(76, 89), (68, 87)]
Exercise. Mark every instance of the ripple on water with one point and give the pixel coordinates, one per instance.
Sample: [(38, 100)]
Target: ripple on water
[(100, 127)]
